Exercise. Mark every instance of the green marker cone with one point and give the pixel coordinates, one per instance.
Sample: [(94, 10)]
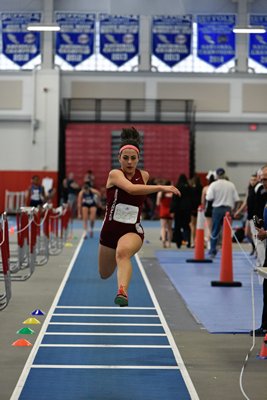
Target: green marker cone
[(26, 331)]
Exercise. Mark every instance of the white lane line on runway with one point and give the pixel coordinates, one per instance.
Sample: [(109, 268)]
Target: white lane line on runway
[(103, 334), (17, 391), (100, 324), (106, 308), (189, 384), (107, 315), (106, 366), (129, 346)]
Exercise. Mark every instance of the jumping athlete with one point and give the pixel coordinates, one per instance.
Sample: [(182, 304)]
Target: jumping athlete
[(122, 234)]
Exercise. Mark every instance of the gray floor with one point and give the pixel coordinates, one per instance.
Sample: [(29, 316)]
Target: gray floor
[(214, 362)]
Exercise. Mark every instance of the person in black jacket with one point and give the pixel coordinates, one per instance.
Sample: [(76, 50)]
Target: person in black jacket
[(249, 205), (260, 211), (196, 202), (181, 212)]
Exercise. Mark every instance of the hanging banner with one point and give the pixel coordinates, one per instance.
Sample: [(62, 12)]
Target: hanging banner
[(20, 45), (216, 39), (119, 38), (75, 41), (258, 41), (171, 38)]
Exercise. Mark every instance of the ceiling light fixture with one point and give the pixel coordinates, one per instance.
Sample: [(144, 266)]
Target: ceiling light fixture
[(249, 29), (43, 27)]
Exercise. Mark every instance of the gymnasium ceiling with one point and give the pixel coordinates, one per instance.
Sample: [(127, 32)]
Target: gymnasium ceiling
[(141, 7)]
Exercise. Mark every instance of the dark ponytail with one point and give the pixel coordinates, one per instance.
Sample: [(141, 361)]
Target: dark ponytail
[(130, 136)]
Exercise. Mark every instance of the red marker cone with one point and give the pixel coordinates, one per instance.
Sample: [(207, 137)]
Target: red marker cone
[(21, 343), (263, 352), (199, 241), (226, 271)]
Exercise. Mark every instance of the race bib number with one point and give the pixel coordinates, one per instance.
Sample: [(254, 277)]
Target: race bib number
[(35, 195), (125, 213)]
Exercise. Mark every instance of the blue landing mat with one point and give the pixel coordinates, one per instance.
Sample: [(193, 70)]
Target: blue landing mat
[(218, 309)]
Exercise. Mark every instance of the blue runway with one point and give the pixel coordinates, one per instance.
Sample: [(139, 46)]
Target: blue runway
[(90, 349)]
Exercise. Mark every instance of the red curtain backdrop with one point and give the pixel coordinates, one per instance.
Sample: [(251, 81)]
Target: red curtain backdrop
[(88, 146)]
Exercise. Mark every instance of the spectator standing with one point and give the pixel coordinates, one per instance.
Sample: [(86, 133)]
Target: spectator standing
[(248, 205), (88, 199), (89, 178), (35, 195), (64, 192), (260, 198), (196, 201), (207, 206), (102, 202), (261, 212), (164, 203), (224, 197), (72, 188), (181, 208)]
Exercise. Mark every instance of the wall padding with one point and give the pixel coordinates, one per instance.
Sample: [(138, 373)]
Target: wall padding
[(209, 97), (10, 95), (254, 97), (108, 90)]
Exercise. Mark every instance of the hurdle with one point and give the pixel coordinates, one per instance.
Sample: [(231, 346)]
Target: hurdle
[(5, 255)]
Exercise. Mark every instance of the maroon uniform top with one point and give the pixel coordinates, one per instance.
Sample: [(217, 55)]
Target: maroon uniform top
[(123, 213)]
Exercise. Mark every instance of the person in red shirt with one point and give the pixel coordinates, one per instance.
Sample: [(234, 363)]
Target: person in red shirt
[(164, 203), (122, 234)]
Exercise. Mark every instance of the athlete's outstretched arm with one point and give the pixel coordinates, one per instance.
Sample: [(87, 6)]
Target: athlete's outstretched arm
[(117, 178)]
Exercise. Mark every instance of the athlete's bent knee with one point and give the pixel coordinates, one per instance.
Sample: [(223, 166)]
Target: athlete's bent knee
[(104, 275), (122, 254)]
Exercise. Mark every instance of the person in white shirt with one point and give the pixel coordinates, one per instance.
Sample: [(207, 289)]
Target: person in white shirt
[(224, 197)]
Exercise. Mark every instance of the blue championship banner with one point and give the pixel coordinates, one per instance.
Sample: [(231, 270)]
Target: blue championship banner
[(258, 41), (119, 38), (171, 38), (20, 45), (75, 41), (216, 39)]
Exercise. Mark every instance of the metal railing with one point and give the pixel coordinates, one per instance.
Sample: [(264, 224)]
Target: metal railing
[(129, 110)]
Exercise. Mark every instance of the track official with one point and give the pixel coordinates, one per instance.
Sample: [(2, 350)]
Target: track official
[(224, 197)]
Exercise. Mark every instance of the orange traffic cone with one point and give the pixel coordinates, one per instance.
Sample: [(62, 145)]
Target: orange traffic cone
[(263, 352), (199, 241), (226, 272)]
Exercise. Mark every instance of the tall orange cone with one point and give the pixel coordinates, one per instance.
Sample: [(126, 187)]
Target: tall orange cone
[(263, 352), (226, 271), (199, 241)]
